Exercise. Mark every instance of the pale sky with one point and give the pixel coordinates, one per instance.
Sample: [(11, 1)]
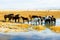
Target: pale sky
[(29, 4)]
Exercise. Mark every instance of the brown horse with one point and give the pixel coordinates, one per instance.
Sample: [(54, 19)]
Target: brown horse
[(25, 19), (16, 17), (9, 16)]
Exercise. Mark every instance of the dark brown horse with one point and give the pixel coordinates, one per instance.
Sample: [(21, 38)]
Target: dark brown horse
[(53, 19), (12, 17), (9, 16), (16, 17), (25, 19)]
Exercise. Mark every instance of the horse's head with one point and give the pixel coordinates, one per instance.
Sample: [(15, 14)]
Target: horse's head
[(52, 16), (21, 16), (39, 17)]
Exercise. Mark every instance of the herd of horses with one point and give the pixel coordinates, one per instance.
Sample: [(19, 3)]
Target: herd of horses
[(39, 19)]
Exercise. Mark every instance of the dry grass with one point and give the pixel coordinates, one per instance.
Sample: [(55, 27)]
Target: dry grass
[(56, 14), (12, 27), (39, 28), (55, 29)]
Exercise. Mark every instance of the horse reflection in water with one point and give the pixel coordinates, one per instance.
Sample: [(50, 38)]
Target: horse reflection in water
[(49, 25), (49, 22)]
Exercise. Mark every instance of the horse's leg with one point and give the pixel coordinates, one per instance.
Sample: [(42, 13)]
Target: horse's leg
[(55, 21), (28, 21), (15, 20), (49, 21), (23, 20), (18, 20), (45, 21), (38, 21), (31, 21), (41, 22), (9, 19), (5, 19)]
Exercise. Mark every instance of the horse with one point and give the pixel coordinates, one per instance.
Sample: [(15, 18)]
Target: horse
[(50, 20), (47, 21), (9, 16), (33, 16), (42, 19), (36, 20), (25, 19), (53, 19), (16, 17)]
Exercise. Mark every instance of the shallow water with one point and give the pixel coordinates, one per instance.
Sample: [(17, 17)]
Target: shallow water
[(32, 35), (58, 22)]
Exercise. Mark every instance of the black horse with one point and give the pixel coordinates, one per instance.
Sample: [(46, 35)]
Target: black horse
[(16, 17), (25, 19), (34, 16), (50, 20), (47, 21), (42, 19), (53, 20), (9, 16)]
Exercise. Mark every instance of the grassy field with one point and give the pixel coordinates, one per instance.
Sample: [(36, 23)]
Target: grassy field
[(56, 14), (8, 26)]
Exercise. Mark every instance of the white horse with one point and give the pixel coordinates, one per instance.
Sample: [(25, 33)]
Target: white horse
[(36, 21)]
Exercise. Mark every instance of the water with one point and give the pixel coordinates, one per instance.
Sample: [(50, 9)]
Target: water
[(33, 35), (58, 22)]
